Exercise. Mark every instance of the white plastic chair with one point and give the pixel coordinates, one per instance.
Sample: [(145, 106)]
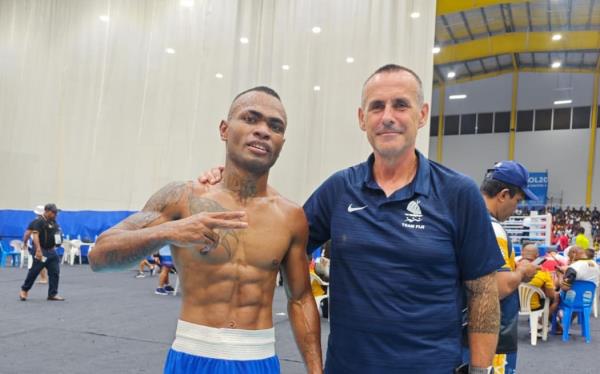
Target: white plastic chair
[(72, 248), (66, 245), (20, 247), (322, 283), (526, 292)]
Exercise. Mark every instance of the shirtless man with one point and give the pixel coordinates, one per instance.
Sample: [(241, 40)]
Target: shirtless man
[(228, 241)]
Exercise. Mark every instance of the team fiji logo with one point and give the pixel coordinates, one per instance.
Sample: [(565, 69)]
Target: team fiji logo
[(413, 216), (414, 212)]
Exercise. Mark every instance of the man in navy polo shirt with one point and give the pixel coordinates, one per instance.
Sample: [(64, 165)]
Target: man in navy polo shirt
[(409, 237)]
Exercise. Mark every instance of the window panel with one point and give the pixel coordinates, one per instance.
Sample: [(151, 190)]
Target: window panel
[(543, 119), (485, 123), (467, 123), (525, 120), (433, 126), (581, 117), (451, 125), (561, 119), (501, 121)]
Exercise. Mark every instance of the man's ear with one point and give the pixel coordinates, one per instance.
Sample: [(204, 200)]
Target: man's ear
[(223, 127), (423, 115), (361, 119), (504, 194)]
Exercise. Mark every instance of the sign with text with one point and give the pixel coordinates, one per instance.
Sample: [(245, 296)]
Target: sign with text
[(538, 184)]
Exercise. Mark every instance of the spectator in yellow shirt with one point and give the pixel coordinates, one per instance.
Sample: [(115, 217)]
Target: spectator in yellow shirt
[(581, 240), (542, 280)]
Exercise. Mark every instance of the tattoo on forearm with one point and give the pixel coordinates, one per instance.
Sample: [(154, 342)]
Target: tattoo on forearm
[(229, 239), (138, 220), (484, 305), (119, 259)]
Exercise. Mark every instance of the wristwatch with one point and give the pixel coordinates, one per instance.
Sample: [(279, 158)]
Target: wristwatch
[(476, 370)]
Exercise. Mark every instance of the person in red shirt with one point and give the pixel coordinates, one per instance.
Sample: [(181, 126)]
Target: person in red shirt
[(553, 260), (563, 241)]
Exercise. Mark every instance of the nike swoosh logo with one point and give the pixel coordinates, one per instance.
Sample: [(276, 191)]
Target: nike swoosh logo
[(355, 208)]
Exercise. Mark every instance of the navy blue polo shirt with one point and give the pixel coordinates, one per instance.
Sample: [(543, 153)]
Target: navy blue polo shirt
[(397, 266)]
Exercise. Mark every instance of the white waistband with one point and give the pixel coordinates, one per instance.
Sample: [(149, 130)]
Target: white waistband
[(225, 344)]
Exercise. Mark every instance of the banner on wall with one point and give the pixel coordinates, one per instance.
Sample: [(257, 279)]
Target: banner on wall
[(538, 184)]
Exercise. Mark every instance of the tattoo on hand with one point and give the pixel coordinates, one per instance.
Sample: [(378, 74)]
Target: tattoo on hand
[(229, 239)]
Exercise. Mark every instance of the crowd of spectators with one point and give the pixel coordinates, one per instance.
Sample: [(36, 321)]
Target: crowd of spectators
[(567, 221)]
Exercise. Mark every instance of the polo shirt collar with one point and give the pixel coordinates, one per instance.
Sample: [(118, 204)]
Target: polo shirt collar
[(421, 184)]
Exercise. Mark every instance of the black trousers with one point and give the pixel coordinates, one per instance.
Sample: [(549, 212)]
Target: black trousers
[(52, 264)]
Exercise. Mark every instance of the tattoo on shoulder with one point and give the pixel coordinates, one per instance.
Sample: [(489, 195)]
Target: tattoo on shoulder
[(166, 196)]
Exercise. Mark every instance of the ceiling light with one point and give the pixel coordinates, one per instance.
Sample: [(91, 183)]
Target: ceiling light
[(316, 29), (104, 18), (219, 76), (451, 74), (244, 40), (457, 97), (556, 64), (349, 59), (436, 50), (561, 102), (170, 51), (556, 37), (317, 88), (285, 67), (415, 15), (187, 3)]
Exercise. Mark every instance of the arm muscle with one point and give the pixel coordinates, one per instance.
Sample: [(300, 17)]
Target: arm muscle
[(140, 234), (302, 309)]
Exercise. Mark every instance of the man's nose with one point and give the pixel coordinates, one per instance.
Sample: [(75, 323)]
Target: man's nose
[(388, 115), (262, 130)]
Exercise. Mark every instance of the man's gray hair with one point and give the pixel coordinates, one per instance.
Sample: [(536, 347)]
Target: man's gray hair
[(393, 68)]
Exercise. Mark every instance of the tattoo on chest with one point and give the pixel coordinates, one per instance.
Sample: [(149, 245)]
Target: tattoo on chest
[(228, 239)]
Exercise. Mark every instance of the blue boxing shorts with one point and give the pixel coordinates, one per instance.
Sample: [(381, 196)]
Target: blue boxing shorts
[(199, 349)]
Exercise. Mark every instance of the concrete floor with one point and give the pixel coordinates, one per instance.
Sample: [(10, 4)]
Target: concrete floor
[(114, 323)]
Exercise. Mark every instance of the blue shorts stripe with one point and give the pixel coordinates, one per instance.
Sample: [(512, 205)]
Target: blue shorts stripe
[(183, 363)]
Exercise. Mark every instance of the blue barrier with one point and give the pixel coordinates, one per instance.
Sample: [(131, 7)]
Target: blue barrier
[(86, 224)]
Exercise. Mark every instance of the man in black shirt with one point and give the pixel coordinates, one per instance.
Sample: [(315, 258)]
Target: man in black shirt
[(39, 210), (45, 233)]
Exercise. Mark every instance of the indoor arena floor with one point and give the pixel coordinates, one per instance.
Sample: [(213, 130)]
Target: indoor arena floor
[(114, 323)]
